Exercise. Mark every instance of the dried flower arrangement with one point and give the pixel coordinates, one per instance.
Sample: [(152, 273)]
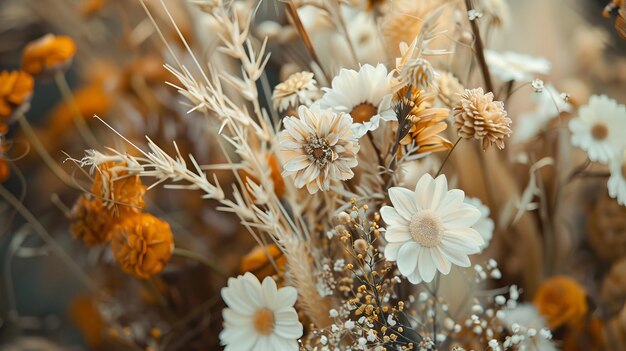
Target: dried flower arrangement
[(312, 176)]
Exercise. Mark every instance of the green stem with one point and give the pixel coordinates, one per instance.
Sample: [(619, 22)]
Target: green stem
[(77, 117)]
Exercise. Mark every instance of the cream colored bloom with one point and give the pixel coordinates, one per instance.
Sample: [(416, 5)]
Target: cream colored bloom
[(366, 95), (523, 318), (299, 89), (259, 317), (510, 65), (430, 229), (485, 225), (600, 128), (617, 181), (419, 73), (318, 147), (478, 116)]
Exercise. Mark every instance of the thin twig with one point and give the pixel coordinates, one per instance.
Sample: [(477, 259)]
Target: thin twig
[(77, 117), (447, 157), (43, 153), (201, 259), (48, 239), (480, 53)]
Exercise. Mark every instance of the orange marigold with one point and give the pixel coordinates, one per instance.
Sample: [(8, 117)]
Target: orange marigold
[(142, 244), (427, 121), (258, 263), (16, 89), (123, 192), (48, 54), (91, 221), (562, 301)]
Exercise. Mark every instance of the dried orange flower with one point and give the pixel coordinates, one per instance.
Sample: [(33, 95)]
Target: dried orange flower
[(91, 7), (478, 116), (86, 316), (48, 54), (16, 89), (91, 221), (142, 244), (4, 171), (122, 192), (428, 121), (562, 301), (258, 263), (275, 174)]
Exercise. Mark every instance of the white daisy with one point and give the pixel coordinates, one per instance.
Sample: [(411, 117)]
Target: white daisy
[(259, 317), (429, 229), (318, 147), (600, 128), (510, 66), (485, 225), (366, 95), (548, 104), (617, 180)]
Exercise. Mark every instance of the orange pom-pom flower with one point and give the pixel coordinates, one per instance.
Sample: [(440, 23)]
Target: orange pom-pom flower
[(48, 54), (142, 245)]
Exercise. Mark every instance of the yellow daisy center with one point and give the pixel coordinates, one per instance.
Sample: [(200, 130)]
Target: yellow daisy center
[(624, 169), (426, 228), (363, 112), (263, 321), (599, 131)]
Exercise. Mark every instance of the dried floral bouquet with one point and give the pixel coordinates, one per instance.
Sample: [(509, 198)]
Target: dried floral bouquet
[(312, 175)]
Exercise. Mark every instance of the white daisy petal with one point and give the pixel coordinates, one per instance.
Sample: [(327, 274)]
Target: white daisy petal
[(426, 265), (430, 229), (407, 258), (259, 315), (403, 201)]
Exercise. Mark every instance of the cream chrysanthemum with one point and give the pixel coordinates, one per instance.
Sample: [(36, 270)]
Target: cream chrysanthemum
[(430, 229), (478, 116), (617, 180), (299, 89), (485, 225), (448, 87), (259, 317), (419, 73), (600, 128), (318, 147), (366, 95)]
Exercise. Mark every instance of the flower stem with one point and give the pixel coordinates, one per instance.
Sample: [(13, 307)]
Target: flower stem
[(480, 54), (201, 259), (41, 150), (47, 238), (77, 117), (447, 157)]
